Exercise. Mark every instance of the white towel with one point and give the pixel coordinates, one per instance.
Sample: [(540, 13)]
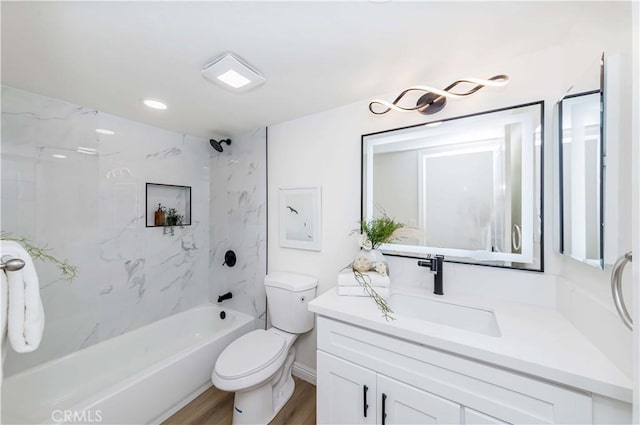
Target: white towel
[(4, 310), (25, 314), (347, 278), (358, 291)]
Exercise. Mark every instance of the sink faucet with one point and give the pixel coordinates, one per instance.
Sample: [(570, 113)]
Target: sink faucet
[(435, 265)]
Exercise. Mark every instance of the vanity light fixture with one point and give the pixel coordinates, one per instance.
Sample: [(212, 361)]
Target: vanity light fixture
[(433, 100), (231, 72), (57, 155), (105, 131), (155, 104)]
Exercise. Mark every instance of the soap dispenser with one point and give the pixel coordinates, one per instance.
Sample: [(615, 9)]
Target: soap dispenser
[(159, 216)]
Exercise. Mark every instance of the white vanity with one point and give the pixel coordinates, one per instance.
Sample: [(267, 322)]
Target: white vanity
[(456, 360)]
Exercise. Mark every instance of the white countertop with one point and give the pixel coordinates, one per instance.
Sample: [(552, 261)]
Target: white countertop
[(535, 340)]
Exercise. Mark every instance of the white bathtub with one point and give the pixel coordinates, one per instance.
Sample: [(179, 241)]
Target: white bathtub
[(140, 377)]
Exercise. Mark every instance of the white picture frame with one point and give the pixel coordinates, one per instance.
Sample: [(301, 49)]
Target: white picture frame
[(300, 218)]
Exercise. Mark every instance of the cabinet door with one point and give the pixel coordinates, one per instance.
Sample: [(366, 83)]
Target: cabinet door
[(404, 404), (346, 393)]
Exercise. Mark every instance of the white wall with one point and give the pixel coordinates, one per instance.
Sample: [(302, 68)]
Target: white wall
[(239, 222), (324, 149)]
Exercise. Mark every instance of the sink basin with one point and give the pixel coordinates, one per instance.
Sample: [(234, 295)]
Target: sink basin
[(445, 313)]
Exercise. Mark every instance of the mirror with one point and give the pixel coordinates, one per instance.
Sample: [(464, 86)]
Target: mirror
[(581, 157), (581, 172), (471, 187)]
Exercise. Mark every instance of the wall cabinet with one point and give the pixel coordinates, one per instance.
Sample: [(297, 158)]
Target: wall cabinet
[(369, 378)]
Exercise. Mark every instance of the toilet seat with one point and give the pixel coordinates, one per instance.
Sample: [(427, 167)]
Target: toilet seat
[(250, 353), (250, 360)]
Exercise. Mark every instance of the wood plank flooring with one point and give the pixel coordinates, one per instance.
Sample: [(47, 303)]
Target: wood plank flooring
[(215, 407)]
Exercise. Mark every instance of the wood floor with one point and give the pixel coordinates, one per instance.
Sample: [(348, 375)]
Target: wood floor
[(215, 407)]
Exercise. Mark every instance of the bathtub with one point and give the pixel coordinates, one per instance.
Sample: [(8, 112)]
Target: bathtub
[(140, 377)]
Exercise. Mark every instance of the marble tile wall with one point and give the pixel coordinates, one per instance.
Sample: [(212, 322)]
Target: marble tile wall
[(239, 222), (91, 210)]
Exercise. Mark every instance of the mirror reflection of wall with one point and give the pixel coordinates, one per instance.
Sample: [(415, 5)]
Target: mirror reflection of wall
[(469, 185), (581, 173)]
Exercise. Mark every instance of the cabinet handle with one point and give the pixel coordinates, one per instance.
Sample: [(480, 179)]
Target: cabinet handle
[(384, 408), (365, 405)]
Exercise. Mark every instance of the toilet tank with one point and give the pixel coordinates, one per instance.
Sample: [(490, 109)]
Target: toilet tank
[(288, 296)]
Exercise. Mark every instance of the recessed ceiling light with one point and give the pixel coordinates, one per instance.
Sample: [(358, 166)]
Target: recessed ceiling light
[(232, 73), (105, 131), (155, 104), (57, 155), (234, 79)]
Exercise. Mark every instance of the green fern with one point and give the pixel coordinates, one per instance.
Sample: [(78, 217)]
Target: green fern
[(379, 230)]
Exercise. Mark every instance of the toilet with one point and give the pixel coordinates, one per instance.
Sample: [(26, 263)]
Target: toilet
[(257, 366)]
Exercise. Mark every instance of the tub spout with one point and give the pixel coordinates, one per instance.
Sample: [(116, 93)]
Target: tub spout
[(226, 296)]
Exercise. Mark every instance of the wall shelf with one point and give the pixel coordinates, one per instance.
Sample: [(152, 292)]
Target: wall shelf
[(169, 196)]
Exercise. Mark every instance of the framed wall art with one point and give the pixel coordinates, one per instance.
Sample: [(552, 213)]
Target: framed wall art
[(300, 218)]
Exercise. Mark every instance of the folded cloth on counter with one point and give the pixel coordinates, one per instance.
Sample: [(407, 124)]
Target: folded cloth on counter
[(358, 291), (25, 320), (348, 278)]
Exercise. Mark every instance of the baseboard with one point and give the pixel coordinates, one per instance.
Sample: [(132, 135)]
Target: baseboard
[(304, 372)]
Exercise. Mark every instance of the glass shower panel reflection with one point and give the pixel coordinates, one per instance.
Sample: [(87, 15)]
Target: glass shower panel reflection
[(50, 195)]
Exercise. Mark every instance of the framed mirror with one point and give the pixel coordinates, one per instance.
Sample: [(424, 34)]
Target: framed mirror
[(470, 187), (581, 159), (581, 171)]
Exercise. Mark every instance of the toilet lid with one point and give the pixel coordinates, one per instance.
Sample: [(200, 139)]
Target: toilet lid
[(249, 353)]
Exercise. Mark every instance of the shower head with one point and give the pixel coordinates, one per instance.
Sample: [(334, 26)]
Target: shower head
[(218, 145)]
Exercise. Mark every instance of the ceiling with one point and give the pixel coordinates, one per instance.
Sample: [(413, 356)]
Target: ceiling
[(314, 55)]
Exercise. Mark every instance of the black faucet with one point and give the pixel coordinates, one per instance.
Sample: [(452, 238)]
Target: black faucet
[(226, 296), (435, 265)]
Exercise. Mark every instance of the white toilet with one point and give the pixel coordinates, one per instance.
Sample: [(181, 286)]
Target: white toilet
[(257, 366)]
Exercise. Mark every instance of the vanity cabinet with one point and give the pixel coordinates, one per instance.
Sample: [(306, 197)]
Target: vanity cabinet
[(354, 395), (360, 370), (347, 391)]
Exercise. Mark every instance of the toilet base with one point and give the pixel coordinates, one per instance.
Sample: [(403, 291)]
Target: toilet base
[(261, 404)]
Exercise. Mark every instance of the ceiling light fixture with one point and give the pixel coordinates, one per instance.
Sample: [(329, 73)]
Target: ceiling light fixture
[(57, 155), (105, 131), (155, 104), (234, 79), (433, 100), (232, 73)]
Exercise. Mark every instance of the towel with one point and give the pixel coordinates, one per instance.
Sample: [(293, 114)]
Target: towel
[(347, 278), (358, 291), (25, 313), (4, 310)]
